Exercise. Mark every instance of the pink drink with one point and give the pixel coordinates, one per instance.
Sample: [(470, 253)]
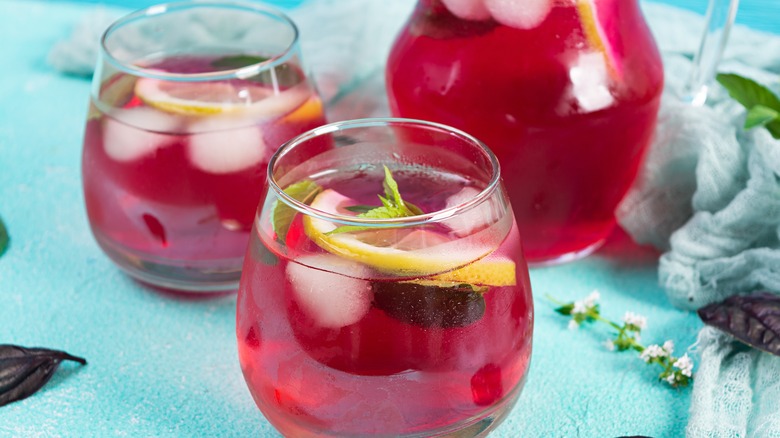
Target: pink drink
[(176, 188), (331, 347), (568, 104)]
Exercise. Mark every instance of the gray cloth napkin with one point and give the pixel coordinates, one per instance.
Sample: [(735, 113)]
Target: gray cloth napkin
[(709, 196)]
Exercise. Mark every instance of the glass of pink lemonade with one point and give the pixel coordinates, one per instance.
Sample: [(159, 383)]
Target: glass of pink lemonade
[(566, 92), (189, 102), (384, 290)]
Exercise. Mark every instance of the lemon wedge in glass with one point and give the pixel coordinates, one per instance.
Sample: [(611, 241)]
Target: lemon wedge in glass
[(219, 97), (412, 252)]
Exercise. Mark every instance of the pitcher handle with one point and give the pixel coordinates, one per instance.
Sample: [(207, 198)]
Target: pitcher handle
[(719, 19)]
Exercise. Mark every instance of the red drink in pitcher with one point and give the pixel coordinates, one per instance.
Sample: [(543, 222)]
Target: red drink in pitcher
[(565, 92), (352, 327)]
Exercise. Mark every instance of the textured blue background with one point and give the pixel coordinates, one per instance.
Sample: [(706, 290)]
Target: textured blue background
[(162, 365)]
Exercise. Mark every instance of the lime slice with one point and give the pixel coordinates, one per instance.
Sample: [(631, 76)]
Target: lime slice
[(595, 21), (405, 252), (219, 97)]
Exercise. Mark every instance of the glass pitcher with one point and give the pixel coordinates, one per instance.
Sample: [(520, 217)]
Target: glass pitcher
[(565, 92)]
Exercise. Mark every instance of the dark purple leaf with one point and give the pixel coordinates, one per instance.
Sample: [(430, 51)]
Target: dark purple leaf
[(23, 371), (753, 319)]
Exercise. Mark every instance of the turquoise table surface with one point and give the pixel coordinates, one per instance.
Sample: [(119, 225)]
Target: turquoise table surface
[(166, 365)]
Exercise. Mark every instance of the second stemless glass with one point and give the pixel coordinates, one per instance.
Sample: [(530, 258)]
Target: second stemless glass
[(189, 102), (355, 320)]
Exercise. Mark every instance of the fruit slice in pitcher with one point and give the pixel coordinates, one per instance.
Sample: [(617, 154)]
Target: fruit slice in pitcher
[(598, 22)]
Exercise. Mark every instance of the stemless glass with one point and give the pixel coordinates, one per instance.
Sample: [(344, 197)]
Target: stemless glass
[(189, 101), (353, 321)]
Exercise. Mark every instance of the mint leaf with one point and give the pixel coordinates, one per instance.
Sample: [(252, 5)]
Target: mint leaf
[(393, 207), (394, 196), (359, 208), (760, 115), (4, 238), (282, 214), (751, 94), (283, 75), (391, 189), (237, 61)]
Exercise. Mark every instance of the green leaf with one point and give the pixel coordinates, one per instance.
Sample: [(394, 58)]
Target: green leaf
[(760, 115), (393, 207), (359, 208), (237, 61), (282, 214), (283, 75), (4, 238), (751, 94), (375, 213), (566, 309), (748, 92), (391, 189)]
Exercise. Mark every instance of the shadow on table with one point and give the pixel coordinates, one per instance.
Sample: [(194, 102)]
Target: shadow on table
[(622, 252), (183, 296)]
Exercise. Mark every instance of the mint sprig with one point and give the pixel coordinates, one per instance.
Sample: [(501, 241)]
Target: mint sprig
[(283, 75), (282, 214), (4, 238), (231, 62), (393, 207), (763, 106)]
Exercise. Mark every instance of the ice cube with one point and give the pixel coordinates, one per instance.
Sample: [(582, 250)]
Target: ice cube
[(522, 14), (326, 289), (129, 134), (217, 146), (476, 218), (468, 9), (590, 82)]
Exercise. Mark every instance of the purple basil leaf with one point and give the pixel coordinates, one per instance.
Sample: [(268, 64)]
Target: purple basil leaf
[(23, 371), (753, 319)]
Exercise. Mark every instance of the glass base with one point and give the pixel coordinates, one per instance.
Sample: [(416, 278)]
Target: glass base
[(195, 276), (568, 257), (478, 426)]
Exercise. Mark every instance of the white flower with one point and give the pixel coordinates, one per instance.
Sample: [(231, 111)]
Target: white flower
[(590, 300), (609, 345), (579, 308), (685, 365), (652, 352), (635, 320), (668, 347), (671, 379), (584, 306), (573, 325)]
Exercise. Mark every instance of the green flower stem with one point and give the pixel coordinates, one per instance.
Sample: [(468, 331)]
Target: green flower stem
[(626, 337)]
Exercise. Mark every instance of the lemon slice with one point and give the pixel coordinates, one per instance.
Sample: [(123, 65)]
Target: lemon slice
[(498, 271), (407, 252), (219, 97), (309, 110), (594, 24)]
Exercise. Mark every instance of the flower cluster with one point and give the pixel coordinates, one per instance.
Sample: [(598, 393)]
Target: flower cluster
[(676, 371)]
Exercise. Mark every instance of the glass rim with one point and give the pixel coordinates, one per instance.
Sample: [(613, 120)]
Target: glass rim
[(236, 73), (427, 218)]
